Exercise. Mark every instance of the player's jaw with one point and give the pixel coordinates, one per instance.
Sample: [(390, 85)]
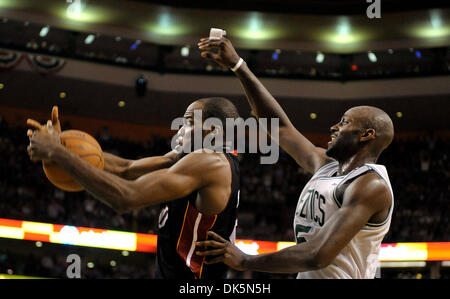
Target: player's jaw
[(343, 144)]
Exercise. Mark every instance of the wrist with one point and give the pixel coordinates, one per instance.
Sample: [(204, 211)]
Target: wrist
[(237, 65), (246, 261), (56, 151)]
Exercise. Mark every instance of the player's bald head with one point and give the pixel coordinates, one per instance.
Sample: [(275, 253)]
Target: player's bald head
[(374, 118)]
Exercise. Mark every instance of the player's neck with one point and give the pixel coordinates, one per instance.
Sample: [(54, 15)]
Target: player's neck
[(360, 158)]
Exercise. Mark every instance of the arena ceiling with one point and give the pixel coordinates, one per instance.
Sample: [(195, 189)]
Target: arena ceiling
[(319, 25)]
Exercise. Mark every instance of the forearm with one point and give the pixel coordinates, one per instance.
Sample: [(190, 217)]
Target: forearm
[(133, 169), (108, 188), (115, 165), (260, 99), (293, 259)]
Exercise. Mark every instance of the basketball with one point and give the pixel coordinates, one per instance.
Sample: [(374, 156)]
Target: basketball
[(82, 144)]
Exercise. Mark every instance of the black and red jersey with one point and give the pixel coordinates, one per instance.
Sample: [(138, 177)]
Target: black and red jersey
[(181, 225)]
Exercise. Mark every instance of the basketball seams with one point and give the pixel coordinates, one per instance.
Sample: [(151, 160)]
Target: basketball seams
[(85, 147)]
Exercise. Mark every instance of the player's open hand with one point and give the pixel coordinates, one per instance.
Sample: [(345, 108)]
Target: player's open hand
[(43, 140), (223, 251), (225, 56)]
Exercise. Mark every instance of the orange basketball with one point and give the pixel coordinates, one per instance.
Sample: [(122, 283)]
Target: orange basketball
[(82, 144)]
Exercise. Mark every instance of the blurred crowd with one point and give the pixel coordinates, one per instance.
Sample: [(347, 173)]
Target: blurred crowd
[(419, 169)]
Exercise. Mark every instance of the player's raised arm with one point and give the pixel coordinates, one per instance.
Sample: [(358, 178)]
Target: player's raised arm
[(127, 168), (264, 105)]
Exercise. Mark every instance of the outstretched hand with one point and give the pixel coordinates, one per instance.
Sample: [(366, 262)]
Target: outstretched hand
[(223, 251), (226, 55), (43, 140)]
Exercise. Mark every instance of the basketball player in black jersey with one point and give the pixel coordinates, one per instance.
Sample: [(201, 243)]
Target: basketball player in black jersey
[(197, 191)]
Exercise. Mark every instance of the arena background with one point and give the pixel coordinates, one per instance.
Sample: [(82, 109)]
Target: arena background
[(123, 70)]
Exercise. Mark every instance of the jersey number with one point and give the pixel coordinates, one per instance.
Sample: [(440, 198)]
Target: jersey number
[(301, 229)]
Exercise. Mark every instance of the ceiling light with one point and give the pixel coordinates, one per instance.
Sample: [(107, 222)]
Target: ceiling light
[(372, 56), (135, 45), (44, 31), (89, 39), (75, 9), (276, 54), (185, 51), (320, 57)]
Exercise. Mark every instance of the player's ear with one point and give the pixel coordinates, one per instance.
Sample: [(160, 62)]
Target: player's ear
[(367, 134)]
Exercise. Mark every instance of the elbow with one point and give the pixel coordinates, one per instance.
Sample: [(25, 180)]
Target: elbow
[(319, 260), (124, 202)]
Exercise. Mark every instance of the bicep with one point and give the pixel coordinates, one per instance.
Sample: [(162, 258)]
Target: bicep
[(304, 152), (161, 186)]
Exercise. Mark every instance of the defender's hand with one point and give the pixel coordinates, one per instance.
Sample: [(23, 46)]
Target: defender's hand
[(226, 55), (224, 252), (43, 140)]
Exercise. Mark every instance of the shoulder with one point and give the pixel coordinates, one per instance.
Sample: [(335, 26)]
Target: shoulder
[(368, 189), (202, 163)]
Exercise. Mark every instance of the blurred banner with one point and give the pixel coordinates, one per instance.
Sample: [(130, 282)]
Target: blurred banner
[(118, 240)]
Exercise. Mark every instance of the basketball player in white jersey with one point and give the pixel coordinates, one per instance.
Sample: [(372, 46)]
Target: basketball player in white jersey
[(343, 212)]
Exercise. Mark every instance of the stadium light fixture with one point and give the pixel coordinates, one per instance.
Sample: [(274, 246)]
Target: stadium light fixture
[(44, 31), (372, 56), (75, 9), (276, 54), (135, 45), (320, 57), (185, 51), (89, 39), (255, 28)]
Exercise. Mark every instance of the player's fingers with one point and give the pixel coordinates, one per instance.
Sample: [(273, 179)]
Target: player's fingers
[(215, 260), (216, 236), (49, 125), (210, 243), (211, 55), (55, 114), (209, 45), (55, 119), (29, 133), (204, 39), (34, 124), (211, 252)]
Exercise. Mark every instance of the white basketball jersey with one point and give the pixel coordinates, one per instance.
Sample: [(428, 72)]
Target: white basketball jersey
[(318, 202)]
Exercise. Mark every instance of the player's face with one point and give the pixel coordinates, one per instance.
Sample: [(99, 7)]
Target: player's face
[(189, 124), (344, 137)]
